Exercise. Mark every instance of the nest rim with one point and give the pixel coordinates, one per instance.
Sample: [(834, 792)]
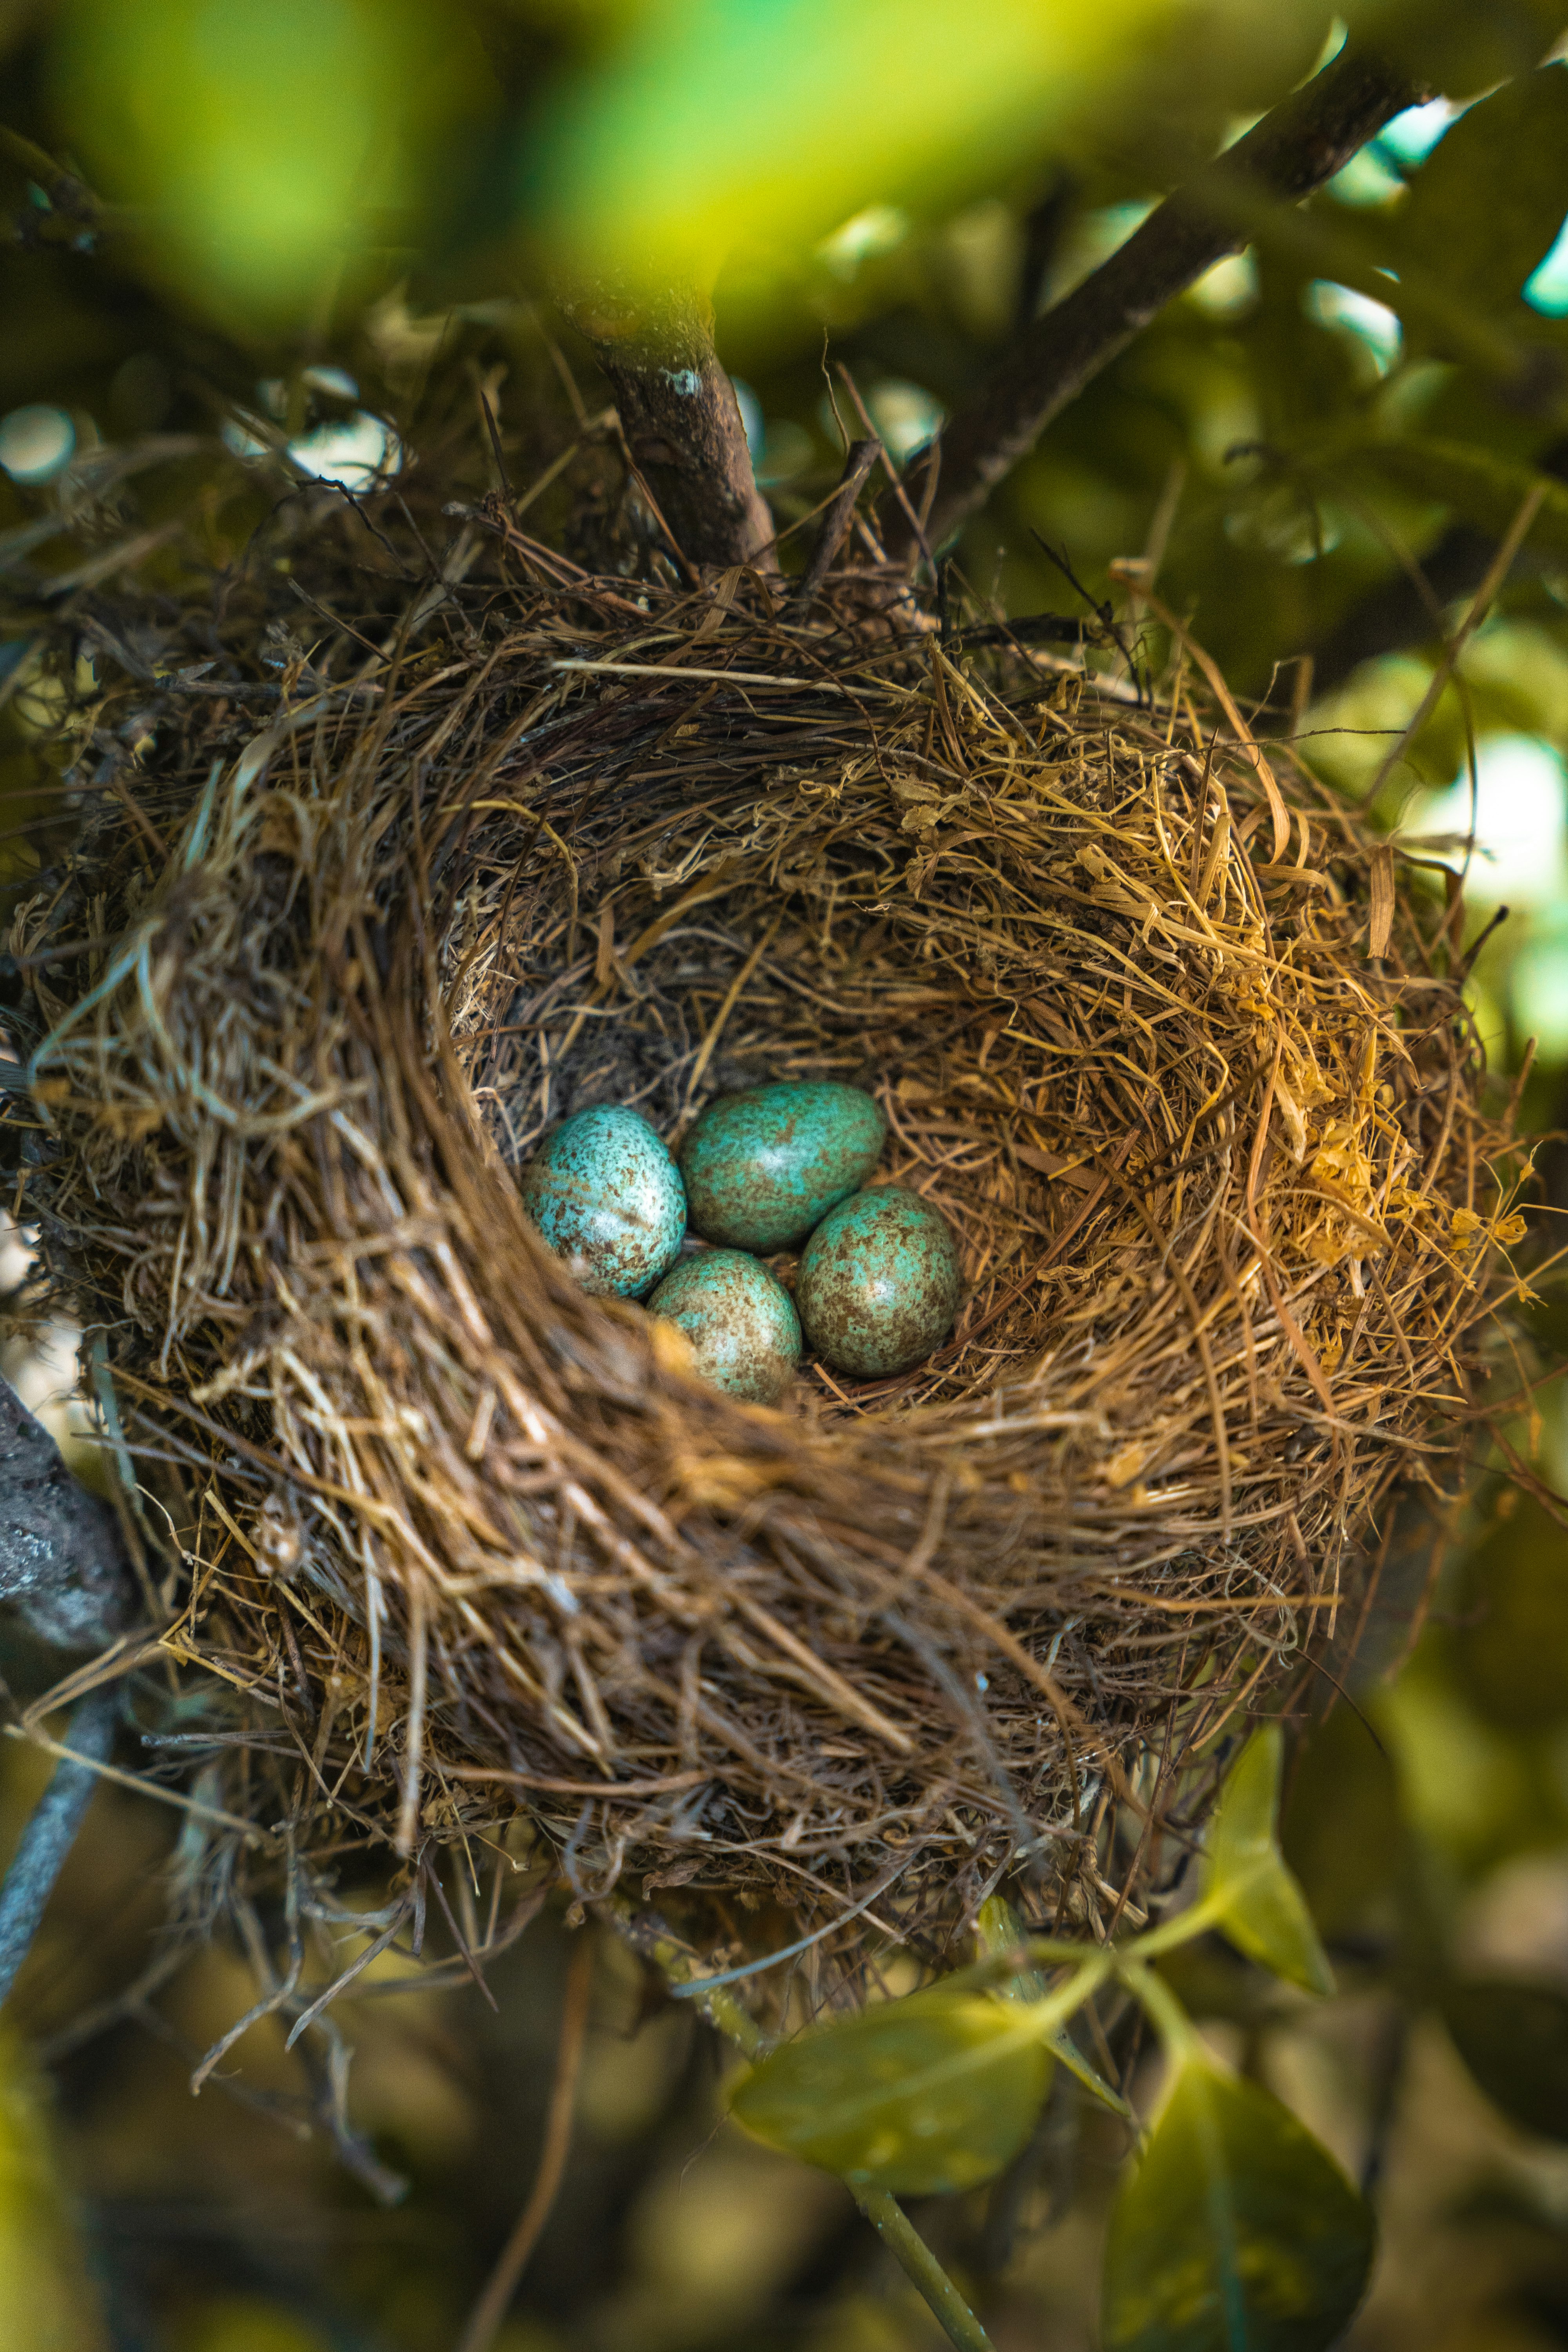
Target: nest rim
[(677, 1516)]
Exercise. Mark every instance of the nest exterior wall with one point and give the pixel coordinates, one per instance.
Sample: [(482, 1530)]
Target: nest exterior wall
[(457, 1540)]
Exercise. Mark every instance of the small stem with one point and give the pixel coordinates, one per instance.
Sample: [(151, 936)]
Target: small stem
[(1195, 1920), (490, 2310), (737, 2024), (51, 1831), (886, 2216), (1171, 2022), (920, 2267), (718, 2004), (1498, 570), (836, 521)]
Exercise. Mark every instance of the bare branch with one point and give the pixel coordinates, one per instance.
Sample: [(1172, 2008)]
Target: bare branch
[(836, 521), (681, 422), (51, 1831), (485, 2319), (1281, 159), (62, 1558)]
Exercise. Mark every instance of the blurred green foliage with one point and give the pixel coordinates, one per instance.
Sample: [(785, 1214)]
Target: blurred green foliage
[(1234, 2228), (257, 140), (285, 222), (45, 2301), (718, 123)]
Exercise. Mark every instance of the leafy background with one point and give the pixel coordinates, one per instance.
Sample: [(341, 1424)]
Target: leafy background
[(316, 231)]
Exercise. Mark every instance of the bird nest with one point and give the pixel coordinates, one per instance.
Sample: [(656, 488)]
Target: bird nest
[(454, 1541)]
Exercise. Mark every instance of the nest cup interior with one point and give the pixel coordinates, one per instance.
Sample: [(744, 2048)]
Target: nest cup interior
[(1057, 970), (1221, 1184), (660, 987)]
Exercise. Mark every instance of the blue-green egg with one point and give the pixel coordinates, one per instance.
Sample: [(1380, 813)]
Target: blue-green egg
[(880, 1282), (740, 1323), (764, 1166), (607, 1198)]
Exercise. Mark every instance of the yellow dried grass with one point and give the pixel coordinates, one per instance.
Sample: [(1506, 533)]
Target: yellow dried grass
[(461, 1541)]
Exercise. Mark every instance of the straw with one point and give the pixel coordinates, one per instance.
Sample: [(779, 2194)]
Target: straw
[(1227, 1195)]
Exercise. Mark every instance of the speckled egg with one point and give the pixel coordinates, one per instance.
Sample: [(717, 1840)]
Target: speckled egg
[(764, 1166), (741, 1324), (879, 1283), (608, 1197)]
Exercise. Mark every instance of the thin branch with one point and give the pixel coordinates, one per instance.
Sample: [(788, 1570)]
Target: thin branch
[(489, 2310), (1498, 570), (1293, 150), (63, 1561), (835, 520), (681, 423), (1407, 608), (51, 1830)]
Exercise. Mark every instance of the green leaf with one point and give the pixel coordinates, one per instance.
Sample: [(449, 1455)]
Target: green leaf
[(922, 2095), (1256, 1902), (1513, 2037), (1234, 2231), (1485, 208), (998, 1929)]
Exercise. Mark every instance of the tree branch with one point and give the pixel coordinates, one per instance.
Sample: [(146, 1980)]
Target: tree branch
[(51, 1831), (681, 422), (835, 520), (1304, 141), (62, 1558)]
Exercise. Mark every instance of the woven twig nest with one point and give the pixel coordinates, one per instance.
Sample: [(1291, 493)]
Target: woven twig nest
[(462, 1540)]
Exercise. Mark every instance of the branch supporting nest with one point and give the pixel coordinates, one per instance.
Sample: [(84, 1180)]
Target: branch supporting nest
[(62, 1558), (681, 423), (1291, 152), (51, 1831)]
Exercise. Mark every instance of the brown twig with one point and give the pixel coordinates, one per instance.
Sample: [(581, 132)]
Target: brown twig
[(681, 423), (1298, 146), (863, 456), (489, 2312)]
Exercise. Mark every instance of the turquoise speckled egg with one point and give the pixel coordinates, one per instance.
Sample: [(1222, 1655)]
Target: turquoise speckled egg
[(741, 1324), (880, 1282), (608, 1197), (764, 1166)]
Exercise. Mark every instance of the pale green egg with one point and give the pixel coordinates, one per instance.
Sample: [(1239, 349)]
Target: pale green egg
[(880, 1282), (740, 1322), (762, 1167), (607, 1198)]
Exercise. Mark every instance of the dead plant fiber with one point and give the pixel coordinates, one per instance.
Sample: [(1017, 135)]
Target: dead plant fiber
[(457, 1540)]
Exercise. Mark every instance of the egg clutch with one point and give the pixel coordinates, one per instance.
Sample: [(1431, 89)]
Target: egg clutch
[(879, 1281)]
